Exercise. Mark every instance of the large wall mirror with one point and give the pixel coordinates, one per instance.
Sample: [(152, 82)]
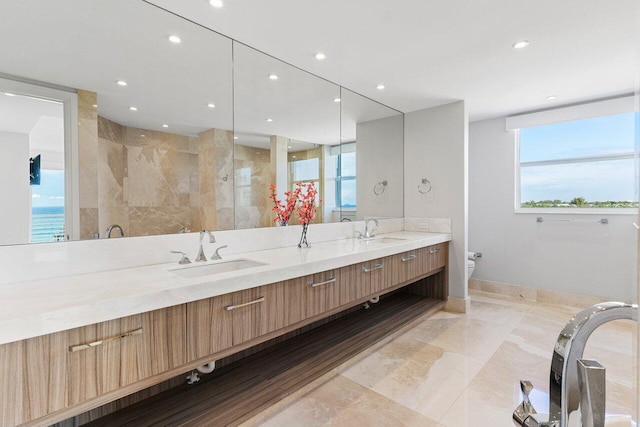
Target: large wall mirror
[(157, 125), (287, 130)]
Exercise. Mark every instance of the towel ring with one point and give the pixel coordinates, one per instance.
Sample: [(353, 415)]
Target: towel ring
[(425, 186), (379, 188)]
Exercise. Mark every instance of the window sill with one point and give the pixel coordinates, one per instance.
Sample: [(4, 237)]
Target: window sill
[(578, 211)]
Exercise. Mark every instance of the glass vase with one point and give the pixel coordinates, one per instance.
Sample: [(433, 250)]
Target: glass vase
[(304, 243)]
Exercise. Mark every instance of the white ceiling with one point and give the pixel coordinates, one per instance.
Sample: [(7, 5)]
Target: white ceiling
[(430, 52)]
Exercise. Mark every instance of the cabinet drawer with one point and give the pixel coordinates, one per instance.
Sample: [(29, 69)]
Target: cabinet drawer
[(311, 295), (218, 323), (404, 266), (435, 256), (109, 355), (255, 312)]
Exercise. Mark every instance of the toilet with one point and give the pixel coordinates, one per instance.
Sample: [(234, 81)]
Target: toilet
[(471, 263)]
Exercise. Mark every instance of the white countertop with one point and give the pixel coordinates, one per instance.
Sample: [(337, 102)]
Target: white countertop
[(34, 308)]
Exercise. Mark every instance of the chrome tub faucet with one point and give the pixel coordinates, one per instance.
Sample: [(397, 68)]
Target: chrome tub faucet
[(576, 386)]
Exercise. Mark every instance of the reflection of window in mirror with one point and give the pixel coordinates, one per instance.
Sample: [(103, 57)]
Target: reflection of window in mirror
[(305, 166), (346, 181), (32, 165)]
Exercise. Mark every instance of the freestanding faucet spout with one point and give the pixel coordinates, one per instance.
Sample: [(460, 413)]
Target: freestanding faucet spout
[(564, 394), (576, 386)]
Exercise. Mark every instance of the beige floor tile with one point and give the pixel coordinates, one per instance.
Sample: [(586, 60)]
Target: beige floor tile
[(469, 337), (415, 374), (460, 370), (342, 402)]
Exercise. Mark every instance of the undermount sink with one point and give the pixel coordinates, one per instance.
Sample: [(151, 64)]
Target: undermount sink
[(383, 240), (217, 268)]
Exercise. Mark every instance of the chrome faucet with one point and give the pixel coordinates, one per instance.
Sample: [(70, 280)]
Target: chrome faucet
[(216, 254), (575, 384), (368, 234), (107, 234), (201, 257)]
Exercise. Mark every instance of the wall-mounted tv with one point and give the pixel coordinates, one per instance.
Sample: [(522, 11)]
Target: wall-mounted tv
[(34, 170)]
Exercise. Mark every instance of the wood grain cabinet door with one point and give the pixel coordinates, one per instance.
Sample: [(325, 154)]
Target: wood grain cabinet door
[(360, 280), (160, 346), (311, 295), (209, 326), (255, 312), (32, 378), (436, 256)]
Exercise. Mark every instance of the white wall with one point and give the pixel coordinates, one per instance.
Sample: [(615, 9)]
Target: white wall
[(581, 258), (379, 158), (435, 147), (14, 181)]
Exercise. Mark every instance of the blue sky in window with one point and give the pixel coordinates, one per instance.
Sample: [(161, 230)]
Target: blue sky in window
[(50, 192), (595, 181)]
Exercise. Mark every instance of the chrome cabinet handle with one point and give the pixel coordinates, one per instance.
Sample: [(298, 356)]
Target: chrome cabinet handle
[(433, 251), (233, 307), (85, 346), (375, 267), (315, 285), (409, 258)]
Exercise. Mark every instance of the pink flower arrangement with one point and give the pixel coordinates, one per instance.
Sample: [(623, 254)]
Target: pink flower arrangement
[(308, 208), (284, 210)]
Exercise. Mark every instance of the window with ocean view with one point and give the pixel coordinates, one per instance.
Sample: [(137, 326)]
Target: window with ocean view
[(589, 163), (47, 208)]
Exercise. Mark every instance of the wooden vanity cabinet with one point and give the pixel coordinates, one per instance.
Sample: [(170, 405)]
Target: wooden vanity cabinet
[(73, 369), (48, 373)]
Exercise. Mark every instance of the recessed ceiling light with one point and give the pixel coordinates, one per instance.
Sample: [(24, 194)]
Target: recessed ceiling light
[(133, 108), (521, 44), (211, 105), (552, 97), (380, 87), (143, 135), (121, 82), (10, 94), (336, 99), (216, 3), (294, 157), (320, 56), (288, 146), (165, 125), (235, 137), (273, 76), (269, 120), (175, 39), (95, 105)]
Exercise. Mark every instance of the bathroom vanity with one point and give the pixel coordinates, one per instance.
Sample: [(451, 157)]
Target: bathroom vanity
[(121, 331)]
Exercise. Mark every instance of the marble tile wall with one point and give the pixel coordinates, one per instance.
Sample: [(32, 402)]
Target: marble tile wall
[(216, 179), (88, 158), (252, 176), (151, 182)]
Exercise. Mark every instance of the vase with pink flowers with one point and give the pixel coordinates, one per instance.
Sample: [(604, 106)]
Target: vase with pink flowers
[(307, 209)]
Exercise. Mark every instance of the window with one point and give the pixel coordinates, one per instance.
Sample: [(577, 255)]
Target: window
[(346, 176), (587, 163)]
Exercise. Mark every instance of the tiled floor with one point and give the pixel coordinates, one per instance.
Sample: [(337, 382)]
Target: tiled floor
[(457, 370)]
